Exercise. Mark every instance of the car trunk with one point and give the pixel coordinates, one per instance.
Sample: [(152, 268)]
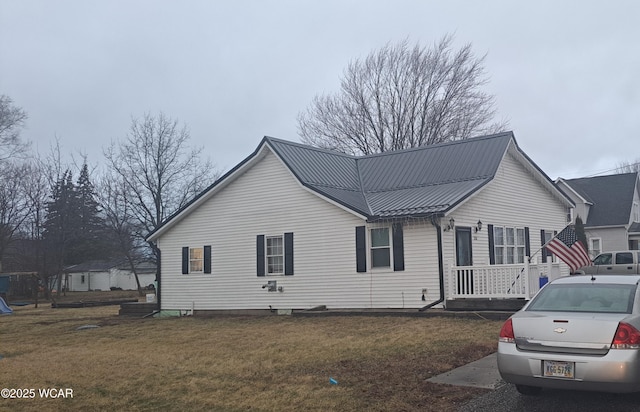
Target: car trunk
[(579, 333)]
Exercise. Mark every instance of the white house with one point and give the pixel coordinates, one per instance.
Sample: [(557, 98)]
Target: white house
[(295, 227), (609, 207), (104, 275)]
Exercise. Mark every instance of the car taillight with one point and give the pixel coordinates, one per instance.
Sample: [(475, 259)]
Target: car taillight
[(506, 333), (626, 337)]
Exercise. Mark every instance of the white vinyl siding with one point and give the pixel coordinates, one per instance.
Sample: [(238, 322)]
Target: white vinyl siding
[(268, 200), (515, 199)]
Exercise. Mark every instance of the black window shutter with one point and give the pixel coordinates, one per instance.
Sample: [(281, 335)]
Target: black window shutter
[(527, 243), (492, 255), (288, 253), (185, 260), (207, 259), (260, 254), (398, 247), (544, 249), (361, 249)]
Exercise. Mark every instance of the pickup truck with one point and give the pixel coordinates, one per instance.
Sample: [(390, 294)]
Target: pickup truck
[(620, 263)]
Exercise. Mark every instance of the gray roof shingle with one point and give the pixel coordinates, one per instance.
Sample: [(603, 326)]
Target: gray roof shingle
[(611, 197)]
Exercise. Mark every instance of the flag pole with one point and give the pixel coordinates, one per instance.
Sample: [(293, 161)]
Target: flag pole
[(543, 246)]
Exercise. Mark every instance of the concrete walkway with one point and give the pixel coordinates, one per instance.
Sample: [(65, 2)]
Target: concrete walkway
[(482, 373)]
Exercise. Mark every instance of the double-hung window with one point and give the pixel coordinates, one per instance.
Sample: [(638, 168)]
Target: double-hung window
[(596, 246), (275, 255), (196, 259), (509, 245), (380, 248)]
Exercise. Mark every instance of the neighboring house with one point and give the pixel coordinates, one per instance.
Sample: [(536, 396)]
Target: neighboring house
[(104, 275), (609, 207), (296, 227)]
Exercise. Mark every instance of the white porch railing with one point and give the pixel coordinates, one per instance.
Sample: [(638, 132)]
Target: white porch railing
[(499, 281)]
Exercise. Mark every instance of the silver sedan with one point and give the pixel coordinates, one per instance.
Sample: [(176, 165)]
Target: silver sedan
[(579, 332)]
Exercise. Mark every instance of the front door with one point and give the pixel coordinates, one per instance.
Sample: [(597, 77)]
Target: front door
[(464, 257)]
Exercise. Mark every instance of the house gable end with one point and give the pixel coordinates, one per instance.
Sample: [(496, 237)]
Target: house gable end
[(611, 196)]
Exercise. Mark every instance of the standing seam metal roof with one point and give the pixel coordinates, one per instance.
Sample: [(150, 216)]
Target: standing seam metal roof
[(418, 181)]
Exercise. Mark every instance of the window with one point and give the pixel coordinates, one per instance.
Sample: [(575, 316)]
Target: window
[(82, 279), (376, 246), (509, 245), (546, 254), (603, 259), (380, 248), (196, 259), (275, 255), (595, 246), (625, 258), (598, 298)]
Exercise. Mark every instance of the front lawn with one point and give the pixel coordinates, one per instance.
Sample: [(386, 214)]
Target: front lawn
[(271, 363)]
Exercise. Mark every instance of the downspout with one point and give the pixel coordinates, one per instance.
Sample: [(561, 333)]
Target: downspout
[(435, 222), (158, 276)]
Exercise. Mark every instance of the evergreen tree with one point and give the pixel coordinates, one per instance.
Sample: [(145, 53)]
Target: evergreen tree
[(89, 241), (580, 233), (60, 222), (73, 229)]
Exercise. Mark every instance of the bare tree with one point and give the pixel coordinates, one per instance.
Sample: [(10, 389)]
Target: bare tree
[(12, 120), (628, 167), (161, 172), (400, 97), (123, 228), (15, 207)]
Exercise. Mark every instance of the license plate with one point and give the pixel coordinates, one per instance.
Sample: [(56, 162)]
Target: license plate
[(555, 369)]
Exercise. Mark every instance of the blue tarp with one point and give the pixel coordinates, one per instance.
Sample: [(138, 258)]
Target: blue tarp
[(4, 308)]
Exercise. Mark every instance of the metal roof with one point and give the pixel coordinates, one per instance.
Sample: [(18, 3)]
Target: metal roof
[(412, 182), (612, 197), (423, 181)]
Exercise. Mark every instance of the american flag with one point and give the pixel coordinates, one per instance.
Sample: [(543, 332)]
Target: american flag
[(569, 249)]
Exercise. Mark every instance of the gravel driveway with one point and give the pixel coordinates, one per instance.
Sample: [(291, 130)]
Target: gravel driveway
[(507, 399)]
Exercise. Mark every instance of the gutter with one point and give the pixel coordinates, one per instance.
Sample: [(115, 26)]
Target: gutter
[(436, 224)]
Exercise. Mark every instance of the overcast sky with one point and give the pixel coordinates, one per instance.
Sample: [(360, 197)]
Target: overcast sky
[(566, 75)]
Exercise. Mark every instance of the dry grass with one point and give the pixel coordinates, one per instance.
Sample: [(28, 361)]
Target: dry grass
[(236, 363)]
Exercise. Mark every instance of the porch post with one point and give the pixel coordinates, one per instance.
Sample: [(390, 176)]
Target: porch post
[(451, 279), (526, 277)]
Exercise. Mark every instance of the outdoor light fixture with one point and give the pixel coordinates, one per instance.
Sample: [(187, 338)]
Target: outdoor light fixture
[(450, 226), (478, 226)]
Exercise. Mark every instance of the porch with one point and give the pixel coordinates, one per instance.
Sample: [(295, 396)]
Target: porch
[(496, 287)]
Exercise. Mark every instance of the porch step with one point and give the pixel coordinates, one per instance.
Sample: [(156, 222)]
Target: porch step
[(478, 304), (137, 309)]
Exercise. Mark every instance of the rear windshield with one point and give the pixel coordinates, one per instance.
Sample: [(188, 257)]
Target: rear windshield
[(602, 298)]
